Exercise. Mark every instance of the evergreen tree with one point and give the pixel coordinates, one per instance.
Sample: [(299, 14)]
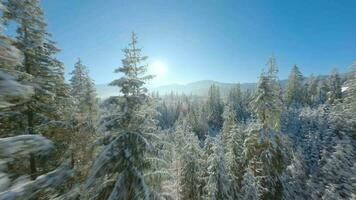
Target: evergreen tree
[(238, 102), (295, 82), (190, 180), (17, 147), (273, 76), (323, 90), (312, 91), (349, 104), (84, 94), (124, 161), (236, 159), (46, 110), (251, 190), (214, 109), (264, 143), (295, 179), (218, 185), (334, 86), (229, 123), (266, 104)]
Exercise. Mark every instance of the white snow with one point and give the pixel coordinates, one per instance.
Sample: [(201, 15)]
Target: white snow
[(343, 89)]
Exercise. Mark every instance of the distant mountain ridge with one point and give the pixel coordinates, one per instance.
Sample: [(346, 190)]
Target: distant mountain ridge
[(195, 88)]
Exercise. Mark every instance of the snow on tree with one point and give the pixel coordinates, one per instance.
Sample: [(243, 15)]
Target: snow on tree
[(237, 99), (229, 123), (266, 104), (294, 88), (190, 170), (349, 102), (295, 178), (47, 107), (214, 109), (83, 91), (251, 189), (264, 145), (235, 159), (311, 94), (122, 164), (21, 146), (272, 73), (334, 86), (218, 185)]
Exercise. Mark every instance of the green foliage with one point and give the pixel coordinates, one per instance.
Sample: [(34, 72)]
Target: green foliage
[(294, 92)]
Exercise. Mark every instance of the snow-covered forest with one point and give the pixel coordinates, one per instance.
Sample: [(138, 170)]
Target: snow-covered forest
[(59, 141)]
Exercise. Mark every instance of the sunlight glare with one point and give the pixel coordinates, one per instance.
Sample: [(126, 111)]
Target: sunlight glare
[(158, 68)]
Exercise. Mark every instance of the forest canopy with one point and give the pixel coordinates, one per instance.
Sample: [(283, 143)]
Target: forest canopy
[(58, 140)]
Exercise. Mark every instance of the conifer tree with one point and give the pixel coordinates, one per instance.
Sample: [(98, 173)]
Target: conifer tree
[(294, 88), (218, 185), (349, 104), (214, 109), (238, 102), (312, 91), (190, 180), (266, 104), (264, 141), (20, 146), (84, 94), (229, 123), (334, 86), (46, 110), (124, 161), (273, 76), (251, 190), (236, 159), (295, 179)]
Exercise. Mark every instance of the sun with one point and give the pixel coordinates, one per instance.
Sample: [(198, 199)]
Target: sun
[(158, 68)]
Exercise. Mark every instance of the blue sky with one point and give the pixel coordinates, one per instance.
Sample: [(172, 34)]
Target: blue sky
[(222, 40)]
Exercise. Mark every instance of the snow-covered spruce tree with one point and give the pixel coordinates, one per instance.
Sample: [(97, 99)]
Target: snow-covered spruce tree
[(273, 76), (208, 150), (12, 92), (118, 171), (337, 172), (46, 109), (84, 94), (168, 184), (334, 178), (232, 137), (266, 104), (295, 178), (334, 87), (214, 108), (312, 91), (349, 101), (182, 127), (229, 123), (235, 158), (218, 185), (197, 119), (158, 175), (251, 189), (264, 142), (84, 123), (293, 95), (313, 126), (190, 171), (19, 147), (238, 102)]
